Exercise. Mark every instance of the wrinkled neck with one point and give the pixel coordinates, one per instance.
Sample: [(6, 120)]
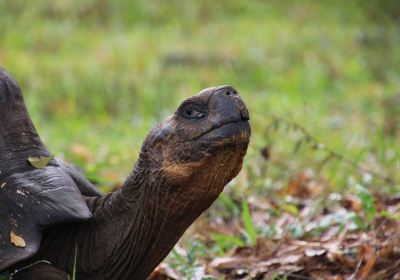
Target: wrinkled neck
[(129, 197), (154, 207), (133, 229), (155, 214)]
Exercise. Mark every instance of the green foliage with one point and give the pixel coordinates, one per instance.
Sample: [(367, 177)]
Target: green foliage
[(4, 276), (279, 277), (248, 224), (367, 203), (290, 208), (75, 259), (187, 262), (231, 207), (225, 242), (105, 72)]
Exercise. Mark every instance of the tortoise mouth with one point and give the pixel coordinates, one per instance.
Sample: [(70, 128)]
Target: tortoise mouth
[(230, 132)]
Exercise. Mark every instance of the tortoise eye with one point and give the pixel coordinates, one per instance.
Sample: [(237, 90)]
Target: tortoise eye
[(192, 113)]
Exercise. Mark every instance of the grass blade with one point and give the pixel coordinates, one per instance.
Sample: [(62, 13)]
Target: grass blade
[(75, 257), (248, 223)]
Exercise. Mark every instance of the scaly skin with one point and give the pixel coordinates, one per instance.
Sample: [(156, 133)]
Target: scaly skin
[(184, 164)]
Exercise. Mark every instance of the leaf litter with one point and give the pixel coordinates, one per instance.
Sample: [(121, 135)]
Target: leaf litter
[(353, 236)]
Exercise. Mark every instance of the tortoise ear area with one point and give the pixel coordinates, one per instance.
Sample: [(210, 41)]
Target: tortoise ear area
[(162, 132), (157, 142)]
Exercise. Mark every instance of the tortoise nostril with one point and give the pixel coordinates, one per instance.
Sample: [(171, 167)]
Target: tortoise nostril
[(228, 91), (231, 92)]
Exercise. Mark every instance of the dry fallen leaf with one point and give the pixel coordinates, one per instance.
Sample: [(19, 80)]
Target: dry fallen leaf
[(283, 260), (368, 253), (39, 162), (226, 262), (337, 252), (163, 272), (306, 185), (312, 252), (17, 240), (82, 152), (353, 202)]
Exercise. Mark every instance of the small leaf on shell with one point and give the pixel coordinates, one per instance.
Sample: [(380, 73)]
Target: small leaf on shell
[(39, 162), (17, 240)]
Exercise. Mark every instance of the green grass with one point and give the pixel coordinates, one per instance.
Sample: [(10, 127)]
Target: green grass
[(248, 224), (74, 268), (101, 73)]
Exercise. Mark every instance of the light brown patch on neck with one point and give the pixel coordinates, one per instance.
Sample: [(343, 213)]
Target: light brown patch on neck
[(180, 170)]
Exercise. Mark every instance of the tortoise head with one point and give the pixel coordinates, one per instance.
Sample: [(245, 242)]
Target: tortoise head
[(202, 145)]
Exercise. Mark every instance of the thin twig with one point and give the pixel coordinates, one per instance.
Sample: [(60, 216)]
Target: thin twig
[(332, 153)]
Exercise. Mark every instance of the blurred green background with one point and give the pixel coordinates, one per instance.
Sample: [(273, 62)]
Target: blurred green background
[(97, 75)]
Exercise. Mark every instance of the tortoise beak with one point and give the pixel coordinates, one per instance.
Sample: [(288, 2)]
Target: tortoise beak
[(231, 120)]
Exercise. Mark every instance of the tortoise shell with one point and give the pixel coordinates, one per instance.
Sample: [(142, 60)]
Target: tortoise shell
[(31, 198)]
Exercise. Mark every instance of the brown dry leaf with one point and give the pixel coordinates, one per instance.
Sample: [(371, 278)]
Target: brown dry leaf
[(283, 260), (352, 202), (81, 151), (367, 252), (226, 263), (270, 273), (289, 248), (330, 234), (339, 253), (325, 275), (332, 246), (163, 272), (17, 240), (111, 176), (305, 185), (390, 246), (264, 248)]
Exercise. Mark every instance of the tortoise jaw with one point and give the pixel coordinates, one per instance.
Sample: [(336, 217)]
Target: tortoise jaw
[(231, 132)]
